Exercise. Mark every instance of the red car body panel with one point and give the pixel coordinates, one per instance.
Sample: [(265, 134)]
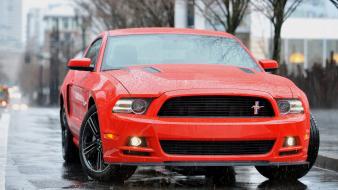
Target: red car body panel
[(83, 88)]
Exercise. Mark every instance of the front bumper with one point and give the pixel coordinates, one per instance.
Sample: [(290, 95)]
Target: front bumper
[(154, 129), (215, 163)]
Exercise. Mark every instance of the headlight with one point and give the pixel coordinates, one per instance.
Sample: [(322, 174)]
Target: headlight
[(136, 106), (290, 106)]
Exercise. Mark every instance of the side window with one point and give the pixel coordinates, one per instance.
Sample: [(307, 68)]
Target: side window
[(93, 51)]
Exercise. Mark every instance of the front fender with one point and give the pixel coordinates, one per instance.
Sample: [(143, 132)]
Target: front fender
[(105, 98)]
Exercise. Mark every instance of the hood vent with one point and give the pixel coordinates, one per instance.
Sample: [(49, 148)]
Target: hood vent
[(246, 70), (151, 70)]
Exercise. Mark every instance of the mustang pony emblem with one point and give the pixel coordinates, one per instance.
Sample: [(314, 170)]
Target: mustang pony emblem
[(256, 107)]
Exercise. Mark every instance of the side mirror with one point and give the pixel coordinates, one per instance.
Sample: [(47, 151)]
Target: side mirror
[(269, 65), (80, 64)]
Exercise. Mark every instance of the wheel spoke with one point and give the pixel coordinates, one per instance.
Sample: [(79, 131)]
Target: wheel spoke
[(92, 126), (92, 146), (99, 160)]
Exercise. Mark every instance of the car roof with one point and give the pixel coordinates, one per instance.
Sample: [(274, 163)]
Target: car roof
[(140, 31)]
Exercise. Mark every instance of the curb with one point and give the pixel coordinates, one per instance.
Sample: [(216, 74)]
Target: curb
[(326, 162)]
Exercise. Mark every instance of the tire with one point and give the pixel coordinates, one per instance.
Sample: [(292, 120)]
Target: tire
[(91, 154), (294, 172), (70, 152)]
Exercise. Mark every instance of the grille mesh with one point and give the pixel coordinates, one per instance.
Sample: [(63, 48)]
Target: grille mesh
[(216, 147), (215, 106)]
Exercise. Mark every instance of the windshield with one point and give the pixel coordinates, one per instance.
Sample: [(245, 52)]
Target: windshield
[(123, 51)]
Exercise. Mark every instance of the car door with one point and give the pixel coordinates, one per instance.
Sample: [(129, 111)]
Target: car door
[(78, 91)]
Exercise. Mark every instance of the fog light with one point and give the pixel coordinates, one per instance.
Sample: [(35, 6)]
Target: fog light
[(290, 141), (135, 141)]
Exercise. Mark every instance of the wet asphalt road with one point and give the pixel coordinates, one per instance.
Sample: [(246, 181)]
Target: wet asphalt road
[(33, 161)]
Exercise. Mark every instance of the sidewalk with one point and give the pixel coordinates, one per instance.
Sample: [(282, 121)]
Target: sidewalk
[(327, 121), (4, 123)]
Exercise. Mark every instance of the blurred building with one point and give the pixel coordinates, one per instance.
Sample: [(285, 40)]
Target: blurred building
[(309, 36), (61, 18), (41, 23), (10, 40), (10, 25), (53, 37), (34, 35)]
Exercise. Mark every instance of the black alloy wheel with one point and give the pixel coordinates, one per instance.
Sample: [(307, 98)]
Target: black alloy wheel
[(91, 153), (91, 145)]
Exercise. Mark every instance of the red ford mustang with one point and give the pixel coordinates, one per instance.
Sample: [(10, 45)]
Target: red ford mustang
[(190, 100)]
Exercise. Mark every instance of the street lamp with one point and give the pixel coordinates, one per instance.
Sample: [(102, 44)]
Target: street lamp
[(335, 58), (296, 58), (54, 61), (42, 57)]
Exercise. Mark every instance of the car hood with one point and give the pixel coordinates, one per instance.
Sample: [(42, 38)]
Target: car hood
[(158, 79)]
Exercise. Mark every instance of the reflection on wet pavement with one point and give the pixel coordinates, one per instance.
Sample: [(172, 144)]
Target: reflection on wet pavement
[(34, 161), (158, 177)]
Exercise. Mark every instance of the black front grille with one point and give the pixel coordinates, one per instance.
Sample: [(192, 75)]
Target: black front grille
[(216, 147), (216, 106)]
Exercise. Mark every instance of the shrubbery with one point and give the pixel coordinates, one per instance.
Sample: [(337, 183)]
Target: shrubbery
[(320, 84)]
